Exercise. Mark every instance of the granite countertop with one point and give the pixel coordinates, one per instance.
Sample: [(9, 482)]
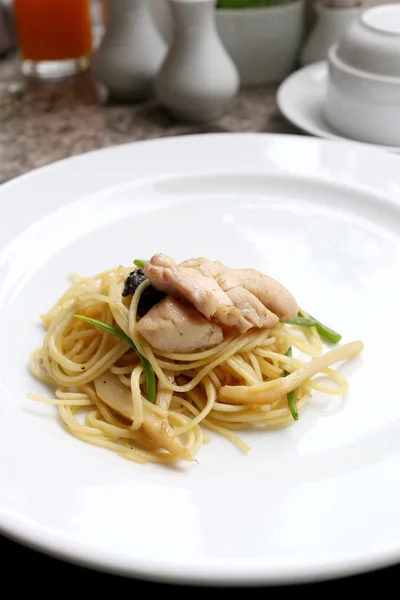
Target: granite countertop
[(44, 122)]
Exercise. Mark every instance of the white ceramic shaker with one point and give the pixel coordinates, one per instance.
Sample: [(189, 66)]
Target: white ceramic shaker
[(198, 79), (131, 51), (331, 22)]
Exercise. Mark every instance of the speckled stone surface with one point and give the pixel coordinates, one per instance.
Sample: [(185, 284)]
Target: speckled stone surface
[(41, 123)]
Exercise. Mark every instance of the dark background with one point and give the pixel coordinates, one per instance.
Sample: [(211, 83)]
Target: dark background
[(24, 566)]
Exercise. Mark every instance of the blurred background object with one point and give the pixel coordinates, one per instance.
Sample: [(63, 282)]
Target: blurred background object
[(263, 37), (332, 17), (99, 16), (198, 79), (161, 13), (8, 37), (267, 37), (55, 37), (69, 115), (131, 52)]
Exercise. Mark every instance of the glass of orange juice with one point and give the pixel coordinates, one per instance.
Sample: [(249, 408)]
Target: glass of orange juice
[(55, 36)]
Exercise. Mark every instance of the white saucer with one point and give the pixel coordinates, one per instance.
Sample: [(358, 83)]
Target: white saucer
[(300, 99)]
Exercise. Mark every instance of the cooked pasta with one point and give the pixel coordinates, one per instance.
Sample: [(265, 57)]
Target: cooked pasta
[(102, 386)]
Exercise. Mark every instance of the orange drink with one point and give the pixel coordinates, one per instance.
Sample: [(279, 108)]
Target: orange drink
[(55, 36)]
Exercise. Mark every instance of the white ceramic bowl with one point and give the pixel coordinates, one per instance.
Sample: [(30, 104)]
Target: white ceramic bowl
[(265, 42), (363, 92)]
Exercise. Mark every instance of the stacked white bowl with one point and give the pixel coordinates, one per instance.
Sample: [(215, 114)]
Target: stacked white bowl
[(363, 93)]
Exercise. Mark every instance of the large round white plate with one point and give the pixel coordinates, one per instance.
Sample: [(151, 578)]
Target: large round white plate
[(300, 99), (317, 500)]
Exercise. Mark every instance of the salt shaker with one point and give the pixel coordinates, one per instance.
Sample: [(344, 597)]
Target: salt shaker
[(198, 79), (331, 22), (131, 51)]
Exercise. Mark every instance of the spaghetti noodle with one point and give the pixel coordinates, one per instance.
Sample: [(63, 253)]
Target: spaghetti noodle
[(100, 381)]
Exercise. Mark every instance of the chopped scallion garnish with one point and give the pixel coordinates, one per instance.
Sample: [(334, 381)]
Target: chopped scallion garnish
[(329, 334), (291, 396), (139, 263), (148, 369)]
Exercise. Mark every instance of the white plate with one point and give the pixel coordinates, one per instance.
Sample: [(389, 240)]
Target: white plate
[(300, 99), (316, 500)]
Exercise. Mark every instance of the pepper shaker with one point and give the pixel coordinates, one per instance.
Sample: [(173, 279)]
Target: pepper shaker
[(131, 51), (198, 79)]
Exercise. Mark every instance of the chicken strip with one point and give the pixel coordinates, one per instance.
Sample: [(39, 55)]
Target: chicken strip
[(252, 309), (238, 298), (210, 268), (174, 326), (201, 291), (270, 292), (251, 302)]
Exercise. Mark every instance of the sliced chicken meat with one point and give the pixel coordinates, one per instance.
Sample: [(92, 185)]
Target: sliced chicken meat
[(175, 326), (252, 309), (251, 299), (201, 291), (234, 298), (270, 292), (210, 268)]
